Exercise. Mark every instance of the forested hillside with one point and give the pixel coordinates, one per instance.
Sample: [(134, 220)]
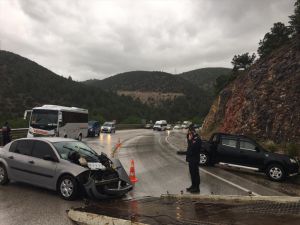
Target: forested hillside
[(25, 84), (146, 81), (205, 78), (172, 96)]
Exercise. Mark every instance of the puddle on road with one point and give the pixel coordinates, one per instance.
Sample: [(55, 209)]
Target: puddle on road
[(158, 211)]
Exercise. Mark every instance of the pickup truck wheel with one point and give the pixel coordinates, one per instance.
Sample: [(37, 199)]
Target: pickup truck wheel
[(204, 159), (276, 172), (3, 175)]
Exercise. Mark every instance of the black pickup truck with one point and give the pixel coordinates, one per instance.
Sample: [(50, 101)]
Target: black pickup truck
[(243, 152)]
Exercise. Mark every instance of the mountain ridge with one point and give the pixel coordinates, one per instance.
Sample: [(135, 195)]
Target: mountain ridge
[(26, 84)]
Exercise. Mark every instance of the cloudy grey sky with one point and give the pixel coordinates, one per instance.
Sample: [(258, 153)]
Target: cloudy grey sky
[(99, 38)]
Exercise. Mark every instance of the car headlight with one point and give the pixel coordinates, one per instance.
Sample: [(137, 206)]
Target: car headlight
[(293, 161)]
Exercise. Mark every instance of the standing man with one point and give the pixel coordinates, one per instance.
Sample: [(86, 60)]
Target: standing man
[(6, 133), (193, 158)]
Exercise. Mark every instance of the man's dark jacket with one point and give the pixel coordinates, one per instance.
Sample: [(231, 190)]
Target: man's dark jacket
[(193, 151)]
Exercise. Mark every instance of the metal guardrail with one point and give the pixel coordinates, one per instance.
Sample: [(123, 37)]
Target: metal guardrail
[(22, 132), (129, 126)]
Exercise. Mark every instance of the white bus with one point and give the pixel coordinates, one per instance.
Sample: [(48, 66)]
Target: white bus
[(59, 121)]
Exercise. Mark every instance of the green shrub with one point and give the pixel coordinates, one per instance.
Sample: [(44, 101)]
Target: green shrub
[(293, 149), (271, 146)]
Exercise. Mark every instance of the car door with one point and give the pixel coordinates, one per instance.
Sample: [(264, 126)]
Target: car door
[(19, 160), (43, 170), (251, 156), (227, 150)]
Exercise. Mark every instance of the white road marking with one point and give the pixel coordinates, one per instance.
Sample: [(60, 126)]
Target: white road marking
[(216, 176), (229, 182)]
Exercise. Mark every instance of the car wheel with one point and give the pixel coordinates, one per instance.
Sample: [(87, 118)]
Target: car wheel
[(204, 159), (68, 187), (3, 175), (276, 172), (80, 137)]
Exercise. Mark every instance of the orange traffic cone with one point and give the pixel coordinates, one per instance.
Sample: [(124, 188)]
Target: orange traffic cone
[(118, 145), (132, 176)]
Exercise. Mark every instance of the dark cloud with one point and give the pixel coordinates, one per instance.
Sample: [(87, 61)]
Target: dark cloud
[(96, 39)]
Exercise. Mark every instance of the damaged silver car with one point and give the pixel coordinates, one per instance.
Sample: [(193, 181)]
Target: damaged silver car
[(65, 165)]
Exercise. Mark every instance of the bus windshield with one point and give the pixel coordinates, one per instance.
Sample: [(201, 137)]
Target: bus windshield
[(44, 119)]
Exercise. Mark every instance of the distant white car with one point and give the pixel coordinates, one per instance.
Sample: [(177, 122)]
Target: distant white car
[(169, 127), (177, 127), (160, 125), (108, 127), (149, 126), (186, 124)]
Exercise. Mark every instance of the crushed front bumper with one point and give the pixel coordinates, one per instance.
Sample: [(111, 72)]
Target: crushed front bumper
[(109, 188)]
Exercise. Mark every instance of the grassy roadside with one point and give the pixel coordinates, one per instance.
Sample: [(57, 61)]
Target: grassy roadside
[(290, 149)]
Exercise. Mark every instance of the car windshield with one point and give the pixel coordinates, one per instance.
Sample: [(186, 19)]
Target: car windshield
[(44, 119), (107, 124), (67, 147)]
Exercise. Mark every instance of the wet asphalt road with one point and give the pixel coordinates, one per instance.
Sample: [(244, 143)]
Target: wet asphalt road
[(158, 169)]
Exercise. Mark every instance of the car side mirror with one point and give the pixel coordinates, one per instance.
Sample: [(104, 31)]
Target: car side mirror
[(49, 158)]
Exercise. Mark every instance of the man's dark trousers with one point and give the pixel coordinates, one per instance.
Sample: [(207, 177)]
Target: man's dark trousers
[(194, 172)]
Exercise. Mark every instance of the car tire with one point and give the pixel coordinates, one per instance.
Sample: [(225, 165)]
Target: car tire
[(204, 159), (276, 172), (68, 187), (3, 175)]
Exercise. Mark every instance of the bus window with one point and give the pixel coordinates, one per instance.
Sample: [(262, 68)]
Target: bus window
[(44, 119), (71, 117)]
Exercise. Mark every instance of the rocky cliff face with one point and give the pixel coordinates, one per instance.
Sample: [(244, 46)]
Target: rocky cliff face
[(263, 102)]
